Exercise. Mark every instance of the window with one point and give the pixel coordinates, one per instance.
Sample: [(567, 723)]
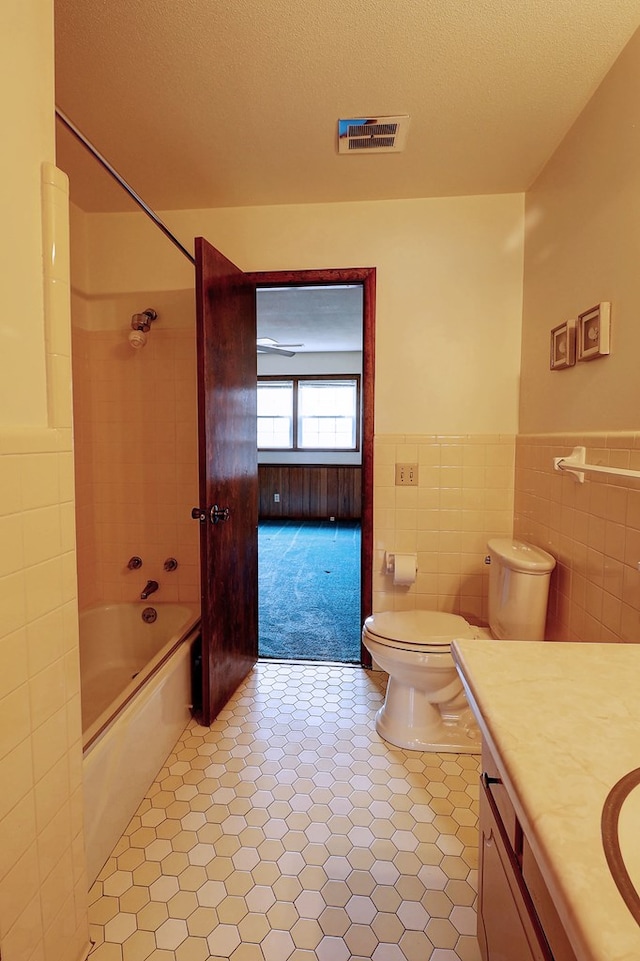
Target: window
[(275, 421), (309, 413)]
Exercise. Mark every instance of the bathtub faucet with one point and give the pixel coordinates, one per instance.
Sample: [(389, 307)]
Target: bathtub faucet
[(150, 587)]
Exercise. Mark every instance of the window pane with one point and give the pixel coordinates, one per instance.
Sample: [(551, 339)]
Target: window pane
[(275, 414), (327, 414), (327, 432), (274, 432), (276, 398)]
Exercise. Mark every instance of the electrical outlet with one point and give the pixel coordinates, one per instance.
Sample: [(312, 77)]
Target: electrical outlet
[(406, 475), (276, 498)]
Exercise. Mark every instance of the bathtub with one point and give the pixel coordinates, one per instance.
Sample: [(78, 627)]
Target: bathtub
[(136, 698)]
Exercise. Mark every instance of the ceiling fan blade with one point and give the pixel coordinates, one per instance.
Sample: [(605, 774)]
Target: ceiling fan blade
[(263, 349)]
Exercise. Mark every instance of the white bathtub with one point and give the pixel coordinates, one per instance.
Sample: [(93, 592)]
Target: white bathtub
[(136, 698)]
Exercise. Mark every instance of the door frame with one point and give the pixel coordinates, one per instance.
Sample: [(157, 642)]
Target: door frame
[(367, 277)]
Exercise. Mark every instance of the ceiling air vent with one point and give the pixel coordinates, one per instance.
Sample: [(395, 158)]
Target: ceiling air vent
[(372, 134)]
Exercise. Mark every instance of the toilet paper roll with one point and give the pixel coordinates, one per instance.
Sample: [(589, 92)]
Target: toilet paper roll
[(404, 569)]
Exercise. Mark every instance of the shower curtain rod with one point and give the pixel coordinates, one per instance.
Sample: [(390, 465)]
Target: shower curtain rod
[(123, 183)]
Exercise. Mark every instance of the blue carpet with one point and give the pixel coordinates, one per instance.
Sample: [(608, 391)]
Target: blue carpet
[(309, 590)]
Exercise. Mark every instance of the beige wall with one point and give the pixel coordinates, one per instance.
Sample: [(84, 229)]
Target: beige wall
[(583, 247), (448, 309), (26, 96), (449, 283), (43, 893)]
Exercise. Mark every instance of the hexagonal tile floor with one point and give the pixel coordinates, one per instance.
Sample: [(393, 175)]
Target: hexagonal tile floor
[(290, 831)]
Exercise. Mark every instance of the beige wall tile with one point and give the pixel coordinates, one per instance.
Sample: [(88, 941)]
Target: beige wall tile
[(54, 844), (45, 640), (12, 556), (47, 692), (594, 531), (12, 603), (43, 588), (10, 484), (457, 513), (127, 476), (23, 939), (49, 743), (17, 833), (13, 662), (42, 534), (18, 887), (14, 719), (16, 776), (40, 481)]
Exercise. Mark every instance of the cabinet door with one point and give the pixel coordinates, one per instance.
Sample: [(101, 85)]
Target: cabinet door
[(508, 929)]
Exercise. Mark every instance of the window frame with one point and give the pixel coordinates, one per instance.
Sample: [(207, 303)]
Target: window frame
[(295, 379)]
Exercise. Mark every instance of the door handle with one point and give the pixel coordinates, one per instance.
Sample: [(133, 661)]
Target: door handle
[(216, 514)]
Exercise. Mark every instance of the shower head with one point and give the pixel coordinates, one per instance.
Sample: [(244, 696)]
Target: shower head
[(143, 321), (140, 325), (137, 339)]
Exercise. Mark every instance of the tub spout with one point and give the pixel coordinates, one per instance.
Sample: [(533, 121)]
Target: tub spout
[(150, 587)]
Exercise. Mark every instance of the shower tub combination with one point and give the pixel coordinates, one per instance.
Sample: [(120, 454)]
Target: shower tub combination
[(136, 700)]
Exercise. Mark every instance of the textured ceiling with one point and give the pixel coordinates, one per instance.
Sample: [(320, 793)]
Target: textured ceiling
[(316, 318), (205, 103)]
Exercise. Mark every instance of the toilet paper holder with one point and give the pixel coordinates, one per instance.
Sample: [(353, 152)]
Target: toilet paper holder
[(390, 562)]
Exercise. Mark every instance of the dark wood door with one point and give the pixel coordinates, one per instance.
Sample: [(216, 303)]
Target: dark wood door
[(226, 339)]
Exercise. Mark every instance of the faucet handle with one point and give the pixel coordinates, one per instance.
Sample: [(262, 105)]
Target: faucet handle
[(170, 564), (135, 563)]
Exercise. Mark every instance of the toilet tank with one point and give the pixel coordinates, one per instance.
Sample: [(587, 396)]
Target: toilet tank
[(519, 578)]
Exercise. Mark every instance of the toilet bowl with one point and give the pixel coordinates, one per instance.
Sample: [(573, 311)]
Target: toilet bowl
[(425, 707)]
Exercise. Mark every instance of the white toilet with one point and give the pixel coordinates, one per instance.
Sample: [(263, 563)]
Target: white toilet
[(425, 708)]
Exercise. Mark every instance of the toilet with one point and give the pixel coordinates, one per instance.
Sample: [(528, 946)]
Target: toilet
[(425, 707)]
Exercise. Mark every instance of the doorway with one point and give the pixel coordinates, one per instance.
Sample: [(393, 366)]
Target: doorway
[(310, 344)]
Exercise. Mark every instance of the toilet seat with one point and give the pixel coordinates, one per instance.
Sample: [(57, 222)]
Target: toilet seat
[(424, 631)]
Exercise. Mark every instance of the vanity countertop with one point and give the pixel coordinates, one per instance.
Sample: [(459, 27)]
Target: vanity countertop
[(563, 722)]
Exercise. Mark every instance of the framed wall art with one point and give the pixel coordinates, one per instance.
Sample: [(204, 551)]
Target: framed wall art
[(593, 332), (563, 345)]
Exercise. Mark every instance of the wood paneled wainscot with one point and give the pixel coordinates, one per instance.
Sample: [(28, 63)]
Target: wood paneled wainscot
[(310, 491)]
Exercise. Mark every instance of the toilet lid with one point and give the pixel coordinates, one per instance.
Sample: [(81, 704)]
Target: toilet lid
[(418, 627)]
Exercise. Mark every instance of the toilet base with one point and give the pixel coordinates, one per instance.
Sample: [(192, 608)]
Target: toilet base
[(408, 720)]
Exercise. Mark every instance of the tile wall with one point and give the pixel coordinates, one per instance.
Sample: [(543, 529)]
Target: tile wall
[(43, 884), (593, 529), (464, 496), (135, 414)]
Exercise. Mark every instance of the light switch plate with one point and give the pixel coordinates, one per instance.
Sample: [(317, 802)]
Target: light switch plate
[(406, 475)]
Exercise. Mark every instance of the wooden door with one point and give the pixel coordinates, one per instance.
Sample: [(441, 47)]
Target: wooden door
[(228, 509)]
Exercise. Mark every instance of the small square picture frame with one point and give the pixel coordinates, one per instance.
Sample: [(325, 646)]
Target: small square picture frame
[(593, 332), (563, 345)]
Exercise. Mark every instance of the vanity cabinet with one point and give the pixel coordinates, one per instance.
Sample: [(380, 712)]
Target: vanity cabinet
[(517, 920)]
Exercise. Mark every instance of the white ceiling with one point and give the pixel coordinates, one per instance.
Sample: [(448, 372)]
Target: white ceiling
[(316, 318), (206, 103)]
